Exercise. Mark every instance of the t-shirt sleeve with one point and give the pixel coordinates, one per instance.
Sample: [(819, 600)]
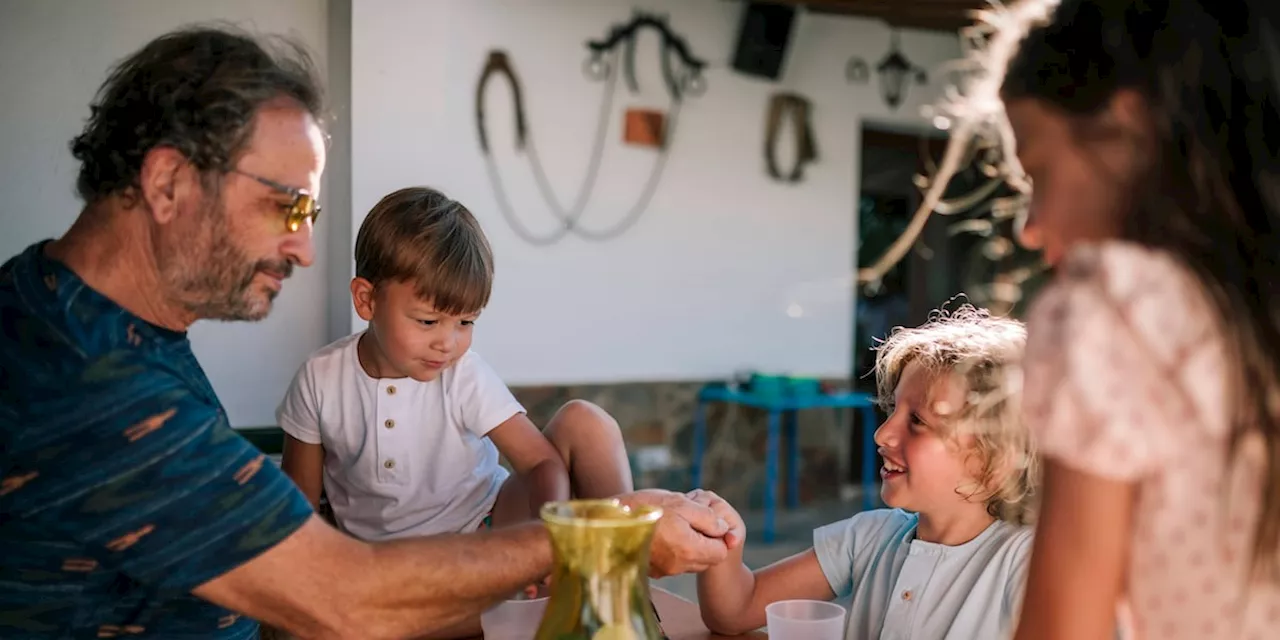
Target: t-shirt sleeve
[(158, 486), (840, 545), (1110, 346), (1015, 589), (299, 414), (483, 399)]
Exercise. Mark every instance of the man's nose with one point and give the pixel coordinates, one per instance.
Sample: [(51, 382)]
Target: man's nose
[(300, 247)]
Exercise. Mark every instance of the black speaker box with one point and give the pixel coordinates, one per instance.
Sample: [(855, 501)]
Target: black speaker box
[(763, 38)]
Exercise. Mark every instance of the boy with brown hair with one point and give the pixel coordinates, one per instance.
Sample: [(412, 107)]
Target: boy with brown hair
[(401, 425)]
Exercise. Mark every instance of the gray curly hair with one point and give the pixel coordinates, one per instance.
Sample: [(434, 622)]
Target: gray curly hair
[(196, 90)]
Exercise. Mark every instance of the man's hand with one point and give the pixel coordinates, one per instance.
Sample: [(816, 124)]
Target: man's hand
[(689, 538), (737, 534)]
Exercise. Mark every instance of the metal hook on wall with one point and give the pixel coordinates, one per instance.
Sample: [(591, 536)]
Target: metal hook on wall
[(683, 74), (687, 79)]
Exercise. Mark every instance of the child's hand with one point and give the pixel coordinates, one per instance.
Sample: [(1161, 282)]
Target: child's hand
[(689, 536), (538, 590), (737, 528)]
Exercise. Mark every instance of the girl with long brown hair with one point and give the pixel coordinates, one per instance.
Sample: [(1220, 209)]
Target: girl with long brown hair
[(1148, 136)]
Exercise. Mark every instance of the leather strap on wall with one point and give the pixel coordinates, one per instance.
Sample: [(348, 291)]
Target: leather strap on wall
[(797, 107), (498, 62)]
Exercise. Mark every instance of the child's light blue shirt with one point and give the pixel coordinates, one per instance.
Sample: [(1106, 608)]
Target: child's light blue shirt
[(907, 589)]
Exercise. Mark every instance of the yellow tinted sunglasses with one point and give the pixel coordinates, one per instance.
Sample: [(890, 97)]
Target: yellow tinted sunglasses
[(302, 208)]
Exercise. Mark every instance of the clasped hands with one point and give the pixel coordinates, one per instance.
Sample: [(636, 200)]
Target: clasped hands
[(697, 530)]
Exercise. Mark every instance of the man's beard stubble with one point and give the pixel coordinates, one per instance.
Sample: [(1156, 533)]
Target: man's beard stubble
[(211, 277)]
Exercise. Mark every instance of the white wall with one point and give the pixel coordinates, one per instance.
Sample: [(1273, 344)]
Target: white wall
[(702, 285), (53, 57), (698, 289)]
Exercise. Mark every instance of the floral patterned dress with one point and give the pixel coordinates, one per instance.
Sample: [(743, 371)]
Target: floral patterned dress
[(1126, 378)]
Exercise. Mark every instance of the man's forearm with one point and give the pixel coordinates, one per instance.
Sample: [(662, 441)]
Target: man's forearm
[(420, 586)]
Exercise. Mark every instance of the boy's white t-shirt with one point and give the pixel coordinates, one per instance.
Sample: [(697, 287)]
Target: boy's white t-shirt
[(402, 458), (907, 589)]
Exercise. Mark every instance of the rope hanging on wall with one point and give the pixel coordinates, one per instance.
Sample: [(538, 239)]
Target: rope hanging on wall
[(682, 73)]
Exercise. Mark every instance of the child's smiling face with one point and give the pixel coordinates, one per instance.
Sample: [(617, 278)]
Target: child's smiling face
[(929, 468)]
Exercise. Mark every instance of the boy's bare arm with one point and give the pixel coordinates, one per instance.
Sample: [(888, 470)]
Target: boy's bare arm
[(733, 599), (319, 583), (534, 458), (724, 593), (304, 464)]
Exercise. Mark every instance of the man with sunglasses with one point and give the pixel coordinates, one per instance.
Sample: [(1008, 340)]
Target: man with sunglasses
[(128, 505)]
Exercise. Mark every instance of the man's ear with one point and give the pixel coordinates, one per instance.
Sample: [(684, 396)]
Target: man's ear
[(362, 297), (165, 180)]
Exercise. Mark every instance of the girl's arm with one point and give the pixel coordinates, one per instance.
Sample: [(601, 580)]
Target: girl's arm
[(1079, 558), (732, 598)]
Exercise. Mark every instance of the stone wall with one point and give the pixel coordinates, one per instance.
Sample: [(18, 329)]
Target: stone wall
[(659, 416)]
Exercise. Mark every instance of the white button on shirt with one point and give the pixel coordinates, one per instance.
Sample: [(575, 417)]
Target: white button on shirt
[(906, 589), (402, 457)]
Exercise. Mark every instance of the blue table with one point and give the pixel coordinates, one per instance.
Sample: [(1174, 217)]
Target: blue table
[(779, 406)]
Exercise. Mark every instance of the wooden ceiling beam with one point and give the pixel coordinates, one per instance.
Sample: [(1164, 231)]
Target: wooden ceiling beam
[(941, 15)]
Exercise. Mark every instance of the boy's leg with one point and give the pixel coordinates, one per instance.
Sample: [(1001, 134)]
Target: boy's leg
[(512, 504), (590, 443)]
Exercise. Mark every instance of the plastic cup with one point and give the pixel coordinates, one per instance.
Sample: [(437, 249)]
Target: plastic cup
[(515, 619), (805, 620)]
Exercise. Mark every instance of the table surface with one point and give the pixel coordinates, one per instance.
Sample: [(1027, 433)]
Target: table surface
[(682, 621)]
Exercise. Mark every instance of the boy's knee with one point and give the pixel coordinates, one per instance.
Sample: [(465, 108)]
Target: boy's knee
[(582, 418)]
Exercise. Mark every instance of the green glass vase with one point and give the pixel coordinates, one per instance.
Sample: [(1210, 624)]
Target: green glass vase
[(599, 585)]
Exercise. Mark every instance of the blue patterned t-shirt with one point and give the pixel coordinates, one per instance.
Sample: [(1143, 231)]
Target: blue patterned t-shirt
[(122, 485)]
